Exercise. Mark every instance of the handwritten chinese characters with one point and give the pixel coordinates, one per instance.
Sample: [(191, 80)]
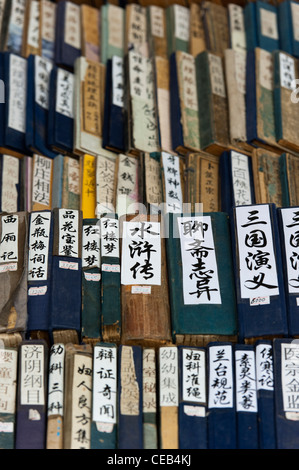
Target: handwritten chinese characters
[(130, 393), (17, 95), (91, 246), (48, 24), (32, 380), (241, 181), (200, 272), (264, 367), (194, 375), (69, 233), (149, 380), (109, 237), (287, 71), (9, 240), (127, 185), (105, 184), (39, 240), (117, 81), (10, 181), (258, 273), (168, 376), (91, 88), (289, 376), (43, 68), (72, 28), (41, 180), (141, 253), (64, 93), (290, 219), (8, 381), (237, 28), (172, 182), (33, 26), (221, 387), (105, 385), (56, 380), (246, 398)]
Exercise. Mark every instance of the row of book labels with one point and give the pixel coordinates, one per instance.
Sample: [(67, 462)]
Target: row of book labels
[(178, 79), (222, 396)]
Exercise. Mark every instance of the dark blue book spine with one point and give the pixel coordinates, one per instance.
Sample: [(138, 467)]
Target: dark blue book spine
[(250, 97), (3, 99), (65, 54), (30, 117), (250, 26), (285, 27), (175, 109), (269, 42)]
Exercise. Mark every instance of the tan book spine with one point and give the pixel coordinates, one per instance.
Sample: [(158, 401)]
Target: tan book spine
[(197, 41), (266, 177)]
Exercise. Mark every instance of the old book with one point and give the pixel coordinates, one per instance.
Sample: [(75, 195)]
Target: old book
[(114, 127), (60, 136), (162, 82), (68, 41), (25, 183), (266, 177), (286, 74), (112, 31), (130, 397), (90, 32), (77, 431), (40, 247), (57, 181), (56, 397), (4, 15), (31, 29), (88, 186), (127, 184), (236, 25), (168, 376), (104, 420), (31, 422), (42, 178), (288, 171), (47, 29), (172, 175), (184, 111), (157, 31), (91, 281), (13, 272), (10, 183), (178, 28), (286, 414), (288, 12), (201, 277), (217, 37), (236, 180), (38, 104), (66, 281), (136, 33), (212, 103), (261, 25), (106, 182), (197, 41), (14, 119), (142, 119), (144, 289), (8, 383), (193, 399), (70, 197), (246, 397), (265, 394), (222, 419), (235, 78), (260, 118), (260, 289), (88, 106), (202, 182), (152, 182), (149, 396), (12, 38), (111, 289)]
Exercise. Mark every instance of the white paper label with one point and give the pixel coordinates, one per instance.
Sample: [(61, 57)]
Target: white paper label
[(109, 237), (73, 175), (221, 387), (39, 237), (289, 376), (118, 81), (115, 26), (41, 180), (105, 181), (240, 70), (259, 300), (266, 69), (130, 391), (65, 93), (141, 289), (157, 21), (269, 24), (290, 220), (32, 374), (237, 28), (17, 95), (111, 268), (287, 71), (91, 246), (105, 384), (188, 76), (217, 76), (257, 263), (246, 398), (43, 68), (168, 374), (141, 253), (140, 73), (149, 381), (241, 180), (72, 32), (264, 367), (200, 272), (68, 265), (69, 233), (127, 185), (81, 401), (33, 26), (8, 383), (56, 380), (94, 277), (48, 10), (9, 238), (181, 22), (295, 19), (33, 291), (172, 181), (4, 268), (194, 375), (10, 180), (198, 411)]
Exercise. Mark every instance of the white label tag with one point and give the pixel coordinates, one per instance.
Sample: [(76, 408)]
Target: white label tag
[(17, 96), (8, 384), (32, 375), (56, 380), (4, 268), (237, 28), (9, 238), (157, 21), (33, 27), (149, 381), (39, 236), (141, 289), (168, 373), (43, 68), (264, 367), (95, 277), (34, 291), (194, 375), (246, 398), (289, 376), (69, 233), (188, 75), (259, 300), (65, 93), (290, 220), (118, 81), (181, 22), (91, 246), (109, 237), (105, 384), (111, 268), (10, 182), (68, 265), (241, 180), (72, 32), (269, 23), (287, 71), (198, 411), (172, 181), (221, 386)]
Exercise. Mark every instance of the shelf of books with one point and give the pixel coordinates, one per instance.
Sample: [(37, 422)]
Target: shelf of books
[(149, 220)]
